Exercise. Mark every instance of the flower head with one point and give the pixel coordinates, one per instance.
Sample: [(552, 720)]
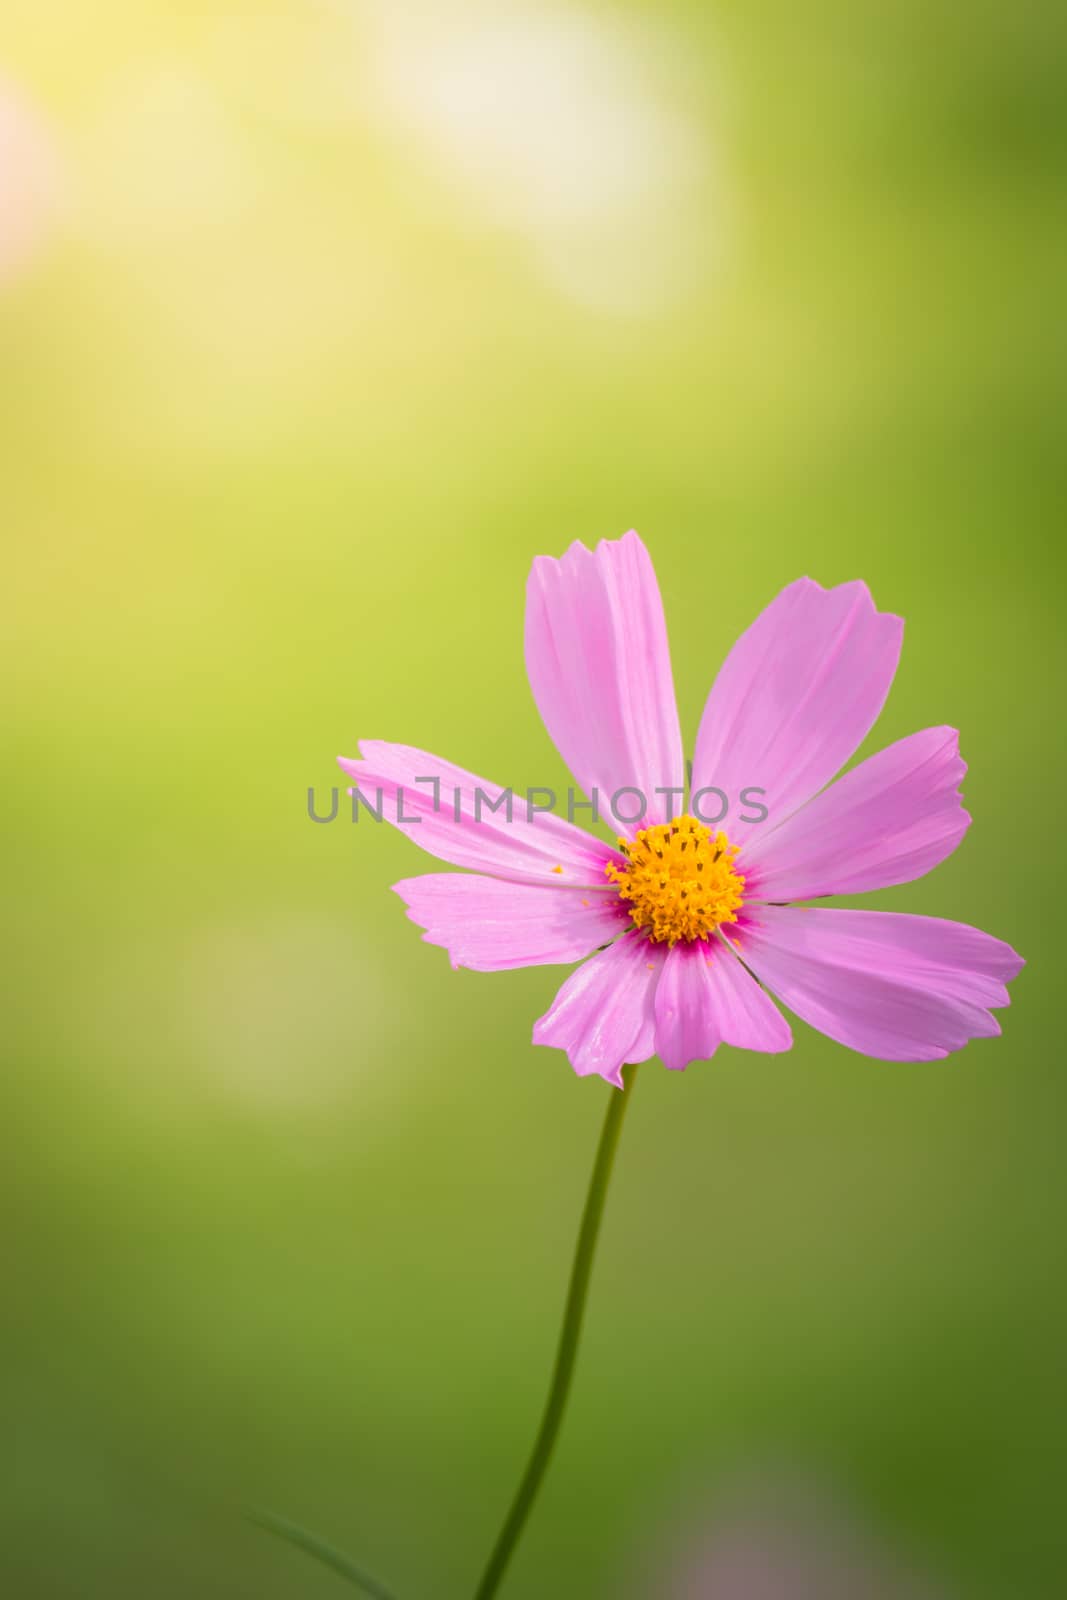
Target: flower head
[(679, 880), (686, 927)]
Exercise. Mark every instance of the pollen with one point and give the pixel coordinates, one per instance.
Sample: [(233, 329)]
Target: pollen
[(679, 880)]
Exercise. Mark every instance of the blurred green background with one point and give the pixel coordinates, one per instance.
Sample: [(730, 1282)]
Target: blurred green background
[(332, 318)]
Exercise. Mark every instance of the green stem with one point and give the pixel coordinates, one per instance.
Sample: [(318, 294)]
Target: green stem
[(570, 1334), (314, 1546)]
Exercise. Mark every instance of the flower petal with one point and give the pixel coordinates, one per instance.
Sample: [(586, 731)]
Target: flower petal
[(455, 823), (706, 998), (600, 670), (687, 1027), (889, 820), (602, 1016), (901, 988), (797, 694), (747, 1016), (490, 925)]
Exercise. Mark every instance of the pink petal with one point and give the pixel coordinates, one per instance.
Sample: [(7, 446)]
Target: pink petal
[(889, 820), (686, 1020), (797, 694), (490, 925), (747, 1016), (901, 988), (600, 671), (538, 847), (706, 998), (602, 1016)]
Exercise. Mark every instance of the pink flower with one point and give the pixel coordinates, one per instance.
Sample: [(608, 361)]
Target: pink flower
[(27, 181), (689, 927), (776, 1543)]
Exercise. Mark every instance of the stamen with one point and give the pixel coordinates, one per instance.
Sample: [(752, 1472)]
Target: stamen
[(674, 894)]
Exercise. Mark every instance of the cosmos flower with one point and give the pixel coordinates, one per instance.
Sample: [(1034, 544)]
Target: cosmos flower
[(687, 929), (781, 1544), (27, 181)]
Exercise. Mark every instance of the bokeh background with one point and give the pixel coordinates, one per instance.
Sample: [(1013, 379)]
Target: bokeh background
[(318, 322)]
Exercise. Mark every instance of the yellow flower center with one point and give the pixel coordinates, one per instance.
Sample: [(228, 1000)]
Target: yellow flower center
[(679, 880)]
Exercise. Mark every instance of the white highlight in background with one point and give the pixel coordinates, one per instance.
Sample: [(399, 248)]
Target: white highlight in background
[(562, 128)]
